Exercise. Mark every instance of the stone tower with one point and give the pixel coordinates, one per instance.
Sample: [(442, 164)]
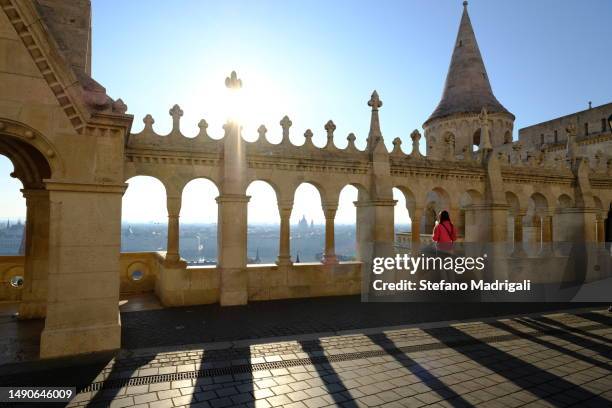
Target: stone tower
[(70, 24), (453, 129)]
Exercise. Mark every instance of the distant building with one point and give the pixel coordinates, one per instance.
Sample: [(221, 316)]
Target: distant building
[(593, 133), (303, 224), (11, 238)]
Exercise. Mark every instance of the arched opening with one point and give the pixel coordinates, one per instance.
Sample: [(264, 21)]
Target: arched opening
[(12, 234), (12, 211), (515, 223), (534, 230), (346, 223), (404, 222), (436, 201), (562, 218), (600, 218), (476, 140), (198, 222), (263, 223), (24, 275), (507, 137), (144, 217), (307, 225)]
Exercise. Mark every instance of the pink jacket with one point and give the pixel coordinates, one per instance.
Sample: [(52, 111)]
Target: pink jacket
[(444, 232)]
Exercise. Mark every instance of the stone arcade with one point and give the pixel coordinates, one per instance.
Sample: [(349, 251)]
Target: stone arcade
[(67, 138)]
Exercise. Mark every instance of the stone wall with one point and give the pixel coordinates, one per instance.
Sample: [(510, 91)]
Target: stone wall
[(554, 131)]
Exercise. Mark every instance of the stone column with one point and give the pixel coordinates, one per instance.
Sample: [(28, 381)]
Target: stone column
[(34, 296), (600, 229), (517, 250), (547, 234), (232, 220), (232, 237), (83, 284), (536, 224), (174, 208), (490, 222), (415, 227), (284, 251), (470, 233), (547, 231), (329, 257), (362, 229)]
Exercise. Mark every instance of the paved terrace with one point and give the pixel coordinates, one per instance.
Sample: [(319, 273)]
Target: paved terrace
[(544, 359)]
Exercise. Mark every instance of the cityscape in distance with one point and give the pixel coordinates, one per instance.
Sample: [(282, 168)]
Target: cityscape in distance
[(198, 241)]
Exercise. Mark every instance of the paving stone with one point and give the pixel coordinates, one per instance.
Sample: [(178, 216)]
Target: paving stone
[(145, 398), (161, 404), (278, 400)]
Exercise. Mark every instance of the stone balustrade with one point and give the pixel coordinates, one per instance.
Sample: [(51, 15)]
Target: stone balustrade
[(142, 272)]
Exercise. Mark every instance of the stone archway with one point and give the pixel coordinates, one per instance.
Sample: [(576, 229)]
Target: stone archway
[(31, 167)]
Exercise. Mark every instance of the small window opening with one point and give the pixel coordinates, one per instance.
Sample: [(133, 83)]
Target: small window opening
[(137, 275), (17, 281)]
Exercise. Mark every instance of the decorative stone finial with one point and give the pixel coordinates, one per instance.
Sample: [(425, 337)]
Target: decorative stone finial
[(397, 145), (308, 135), (232, 81), (485, 138), (285, 122), (375, 101), (119, 106), (483, 116), (176, 112), (465, 3), (416, 137), (374, 135), (148, 121), (330, 126), (203, 125), (351, 138), (261, 130)]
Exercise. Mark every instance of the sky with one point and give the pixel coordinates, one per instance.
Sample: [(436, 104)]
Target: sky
[(321, 60)]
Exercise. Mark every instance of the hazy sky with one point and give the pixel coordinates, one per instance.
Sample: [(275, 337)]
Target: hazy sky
[(320, 60)]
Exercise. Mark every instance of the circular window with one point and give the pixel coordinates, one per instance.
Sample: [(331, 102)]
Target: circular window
[(137, 275), (17, 281)]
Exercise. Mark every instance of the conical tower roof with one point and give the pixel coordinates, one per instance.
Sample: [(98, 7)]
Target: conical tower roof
[(467, 88)]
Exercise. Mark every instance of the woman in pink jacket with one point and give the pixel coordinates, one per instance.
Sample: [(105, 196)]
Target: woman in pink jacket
[(444, 233)]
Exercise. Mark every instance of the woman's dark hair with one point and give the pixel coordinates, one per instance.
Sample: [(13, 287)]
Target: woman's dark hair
[(444, 216)]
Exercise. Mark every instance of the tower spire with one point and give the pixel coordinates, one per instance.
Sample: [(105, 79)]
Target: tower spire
[(375, 135), (467, 88)]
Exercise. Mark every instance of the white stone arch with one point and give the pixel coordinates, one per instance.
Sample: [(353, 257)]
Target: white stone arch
[(436, 200), (30, 145), (263, 234), (308, 242), (198, 222), (144, 204)]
